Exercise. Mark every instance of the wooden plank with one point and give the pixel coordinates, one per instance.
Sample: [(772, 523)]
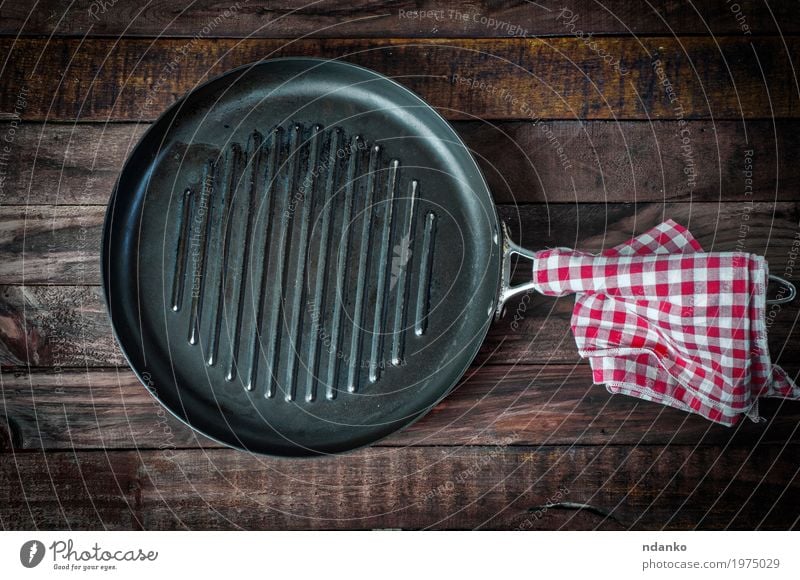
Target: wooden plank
[(60, 244), (610, 162), (636, 161), (498, 487), (65, 164), (56, 326), (562, 78), (553, 404), (296, 18), (50, 244), (52, 325), (67, 326)]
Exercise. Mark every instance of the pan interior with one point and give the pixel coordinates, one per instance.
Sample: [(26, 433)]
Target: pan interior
[(300, 257)]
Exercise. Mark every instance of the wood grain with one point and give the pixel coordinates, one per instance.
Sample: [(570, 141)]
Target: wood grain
[(78, 164), (84, 446), (68, 326), (497, 487), (55, 324), (50, 244), (59, 245), (561, 78), (66, 164), (295, 18), (48, 409)]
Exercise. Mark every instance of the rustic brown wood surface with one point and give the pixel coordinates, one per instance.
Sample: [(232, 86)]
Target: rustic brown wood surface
[(82, 443), (58, 245), (43, 319), (540, 78), (419, 487), (329, 18), (523, 404), (78, 163)]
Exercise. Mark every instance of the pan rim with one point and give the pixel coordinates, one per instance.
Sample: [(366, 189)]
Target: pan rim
[(105, 256)]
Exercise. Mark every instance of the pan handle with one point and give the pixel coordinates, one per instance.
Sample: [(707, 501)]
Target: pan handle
[(791, 291), (509, 248)]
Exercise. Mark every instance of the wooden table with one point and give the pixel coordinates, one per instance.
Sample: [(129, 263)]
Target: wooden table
[(668, 110)]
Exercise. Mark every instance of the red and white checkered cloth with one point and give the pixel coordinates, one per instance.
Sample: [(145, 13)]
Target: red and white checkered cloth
[(661, 320)]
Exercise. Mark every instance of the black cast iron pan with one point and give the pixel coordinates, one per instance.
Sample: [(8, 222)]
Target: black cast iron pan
[(301, 257)]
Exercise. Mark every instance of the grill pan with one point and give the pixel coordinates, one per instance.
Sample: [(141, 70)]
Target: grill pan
[(301, 257)]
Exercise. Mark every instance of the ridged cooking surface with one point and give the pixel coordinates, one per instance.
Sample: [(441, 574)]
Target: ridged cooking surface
[(300, 257), (302, 263)]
